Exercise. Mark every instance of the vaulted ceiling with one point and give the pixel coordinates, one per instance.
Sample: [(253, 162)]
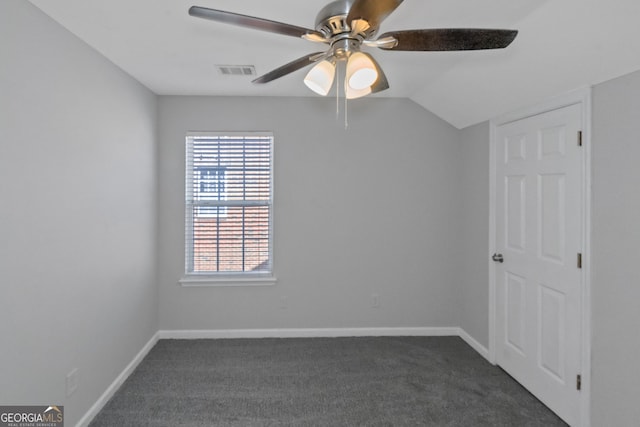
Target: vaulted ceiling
[(562, 45)]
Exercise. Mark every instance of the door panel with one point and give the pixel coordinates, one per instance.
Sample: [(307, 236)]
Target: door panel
[(516, 304), (539, 232), (551, 229), (515, 217), (552, 328)]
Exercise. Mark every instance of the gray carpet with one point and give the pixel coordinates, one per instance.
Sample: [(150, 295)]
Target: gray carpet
[(393, 381)]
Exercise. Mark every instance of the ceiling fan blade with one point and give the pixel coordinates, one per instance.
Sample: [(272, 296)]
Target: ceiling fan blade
[(253, 22), (372, 11), (446, 39), (290, 67)]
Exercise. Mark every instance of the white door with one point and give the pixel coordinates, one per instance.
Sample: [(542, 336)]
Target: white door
[(539, 236)]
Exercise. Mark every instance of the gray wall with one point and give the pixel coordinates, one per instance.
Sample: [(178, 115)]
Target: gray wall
[(371, 209), (616, 252), (473, 297), (77, 214)]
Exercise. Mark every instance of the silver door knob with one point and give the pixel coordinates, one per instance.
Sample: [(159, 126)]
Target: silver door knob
[(498, 258)]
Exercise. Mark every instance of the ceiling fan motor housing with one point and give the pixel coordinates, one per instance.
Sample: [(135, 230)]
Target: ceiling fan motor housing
[(332, 19)]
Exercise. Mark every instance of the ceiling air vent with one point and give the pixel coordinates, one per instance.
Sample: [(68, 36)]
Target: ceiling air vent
[(236, 70)]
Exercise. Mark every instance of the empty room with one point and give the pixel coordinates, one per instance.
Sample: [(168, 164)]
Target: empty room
[(358, 212)]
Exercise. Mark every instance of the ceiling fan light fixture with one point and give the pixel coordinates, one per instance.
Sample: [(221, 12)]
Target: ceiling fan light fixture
[(361, 71), (320, 78)]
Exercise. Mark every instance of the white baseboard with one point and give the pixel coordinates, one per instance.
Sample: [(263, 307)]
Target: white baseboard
[(484, 352), (274, 333), (307, 333), (115, 385)]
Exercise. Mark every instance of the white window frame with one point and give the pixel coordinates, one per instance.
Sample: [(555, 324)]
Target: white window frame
[(205, 279)]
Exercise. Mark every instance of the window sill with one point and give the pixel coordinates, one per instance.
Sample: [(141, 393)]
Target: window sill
[(196, 281)]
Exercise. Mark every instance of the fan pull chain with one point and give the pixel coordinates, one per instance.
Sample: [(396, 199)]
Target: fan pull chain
[(344, 88), (346, 114), (337, 83), (337, 90)]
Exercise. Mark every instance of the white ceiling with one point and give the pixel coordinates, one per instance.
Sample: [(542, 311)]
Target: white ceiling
[(562, 45)]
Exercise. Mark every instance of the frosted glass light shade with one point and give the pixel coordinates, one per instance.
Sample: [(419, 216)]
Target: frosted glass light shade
[(354, 94), (361, 71), (320, 78)]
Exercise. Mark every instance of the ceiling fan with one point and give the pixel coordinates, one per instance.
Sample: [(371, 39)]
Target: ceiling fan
[(347, 25)]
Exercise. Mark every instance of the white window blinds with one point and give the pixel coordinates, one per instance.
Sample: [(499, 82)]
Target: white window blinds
[(229, 204)]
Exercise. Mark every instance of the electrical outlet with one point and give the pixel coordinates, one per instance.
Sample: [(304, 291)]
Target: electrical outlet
[(375, 301), (72, 382)]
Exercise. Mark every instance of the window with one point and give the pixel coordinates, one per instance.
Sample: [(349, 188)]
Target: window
[(229, 205)]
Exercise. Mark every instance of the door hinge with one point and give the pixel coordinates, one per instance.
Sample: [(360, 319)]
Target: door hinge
[(579, 260), (579, 138), (579, 382)]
